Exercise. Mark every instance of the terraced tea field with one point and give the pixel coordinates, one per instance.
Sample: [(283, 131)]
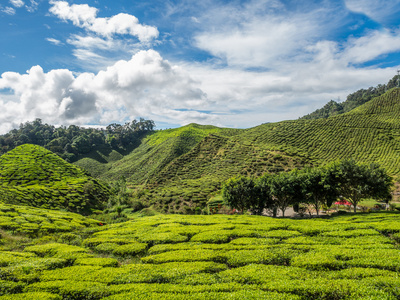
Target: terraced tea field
[(200, 257), (31, 175)]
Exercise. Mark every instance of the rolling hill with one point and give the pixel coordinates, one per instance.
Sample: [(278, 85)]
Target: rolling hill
[(31, 175), (180, 169)]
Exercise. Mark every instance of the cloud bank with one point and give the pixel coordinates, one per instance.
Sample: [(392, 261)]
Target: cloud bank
[(146, 85)]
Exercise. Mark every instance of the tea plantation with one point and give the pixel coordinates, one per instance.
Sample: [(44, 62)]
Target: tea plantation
[(31, 175), (179, 170), (198, 257)]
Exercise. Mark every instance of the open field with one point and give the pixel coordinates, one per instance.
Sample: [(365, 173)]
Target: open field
[(200, 257)]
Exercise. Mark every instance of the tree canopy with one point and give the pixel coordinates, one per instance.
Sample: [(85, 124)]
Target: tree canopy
[(69, 142), (317, 186)]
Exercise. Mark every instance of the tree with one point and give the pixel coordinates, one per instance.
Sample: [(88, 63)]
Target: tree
[(360, 181), (238, 192), (264, 199), (319, 187), (81, 144), (286, 190)]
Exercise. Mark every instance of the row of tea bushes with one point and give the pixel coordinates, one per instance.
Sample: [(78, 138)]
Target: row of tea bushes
[(35, 222), (213, 257)]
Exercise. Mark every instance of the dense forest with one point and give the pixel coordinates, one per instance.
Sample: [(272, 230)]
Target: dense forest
[(333, 108), (69, 142)]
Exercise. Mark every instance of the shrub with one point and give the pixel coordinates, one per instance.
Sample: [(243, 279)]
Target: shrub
[(10, 287), (32, 296), (69, 289), (97, 261), (130, 249)]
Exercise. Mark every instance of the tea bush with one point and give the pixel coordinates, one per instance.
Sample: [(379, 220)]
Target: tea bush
[(177, 257)]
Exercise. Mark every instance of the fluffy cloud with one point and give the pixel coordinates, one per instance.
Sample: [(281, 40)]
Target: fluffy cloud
[(84, 16), (146, 85), (17, 3)]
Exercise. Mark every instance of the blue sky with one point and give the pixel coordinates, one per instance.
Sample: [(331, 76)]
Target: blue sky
[(226, 63)]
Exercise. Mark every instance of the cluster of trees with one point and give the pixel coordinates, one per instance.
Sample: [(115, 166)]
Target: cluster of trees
[(353, 100), (68, 142), (345, 179)]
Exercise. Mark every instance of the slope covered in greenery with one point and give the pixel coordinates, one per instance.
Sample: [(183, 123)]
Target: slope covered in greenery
[(178, 170), (155, 152), (353, 100), (208, 257), (32, 175), (369, 133)]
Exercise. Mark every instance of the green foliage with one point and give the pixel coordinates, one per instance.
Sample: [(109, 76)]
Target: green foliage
[(255, 257), (318, 186), (358, 181), (32, 175), (36, 222), (239, 192), (73, 141), (32, 296), (130, 249)]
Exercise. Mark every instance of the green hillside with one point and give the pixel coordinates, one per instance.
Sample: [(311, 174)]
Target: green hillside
[(32, 175), (369, 133), (177, 170), (154, 153), (180, 169), (353, 100)]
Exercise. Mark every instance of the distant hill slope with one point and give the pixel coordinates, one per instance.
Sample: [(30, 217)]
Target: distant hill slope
[(353, 100), (370, 133), (32, 175), (153, 155)]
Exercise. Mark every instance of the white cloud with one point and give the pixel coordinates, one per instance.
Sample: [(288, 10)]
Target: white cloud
[(81, 15), (84, 16), (17, 3), (96, 53), (263, 33), (378, 10), (43, 95), (146, 85), (54, 41), (8, 10), (32, 7), (371, 46)]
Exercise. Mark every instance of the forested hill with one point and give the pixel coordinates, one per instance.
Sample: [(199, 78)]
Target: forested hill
[(333, 108), (73, 141)]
